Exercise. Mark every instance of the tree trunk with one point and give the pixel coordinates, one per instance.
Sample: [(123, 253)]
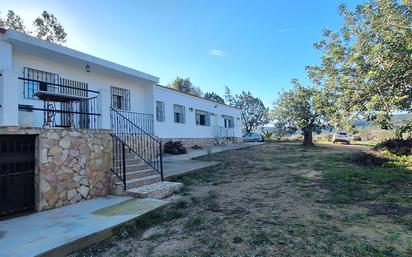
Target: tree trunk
[(307, 137)]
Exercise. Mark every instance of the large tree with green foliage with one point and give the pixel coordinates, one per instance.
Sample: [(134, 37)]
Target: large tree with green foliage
[(46, 26), (214, 97), (185, 86), (300, 109), (366, 67), (12, 21), (254, 114), (280, 123)]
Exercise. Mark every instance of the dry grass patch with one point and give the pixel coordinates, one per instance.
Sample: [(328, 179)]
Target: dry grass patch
[(279, 200)]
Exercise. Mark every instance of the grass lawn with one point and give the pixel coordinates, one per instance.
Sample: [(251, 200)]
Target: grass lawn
[(279, 200)]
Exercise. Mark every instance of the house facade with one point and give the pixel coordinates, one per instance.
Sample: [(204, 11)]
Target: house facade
[(26, 62), (74, 126)]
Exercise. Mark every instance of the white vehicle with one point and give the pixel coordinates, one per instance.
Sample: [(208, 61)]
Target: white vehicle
[(341, 137), (252, 137)]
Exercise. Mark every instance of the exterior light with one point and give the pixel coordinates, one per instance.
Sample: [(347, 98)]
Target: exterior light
[(87, 68)]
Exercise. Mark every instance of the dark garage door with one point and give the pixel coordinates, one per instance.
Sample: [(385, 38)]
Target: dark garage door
[(16, 173)]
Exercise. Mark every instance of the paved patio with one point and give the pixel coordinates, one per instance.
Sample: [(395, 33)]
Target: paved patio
[(63, 230), (178, 165)]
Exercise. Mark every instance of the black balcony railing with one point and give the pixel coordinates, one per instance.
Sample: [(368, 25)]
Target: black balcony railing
[(68, 106), (128, 136), (142, 120)]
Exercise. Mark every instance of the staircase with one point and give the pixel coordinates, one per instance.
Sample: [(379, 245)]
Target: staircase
[(137, 161), (223, 136)]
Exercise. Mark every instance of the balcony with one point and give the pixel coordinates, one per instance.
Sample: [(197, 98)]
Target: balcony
[(66, 103)]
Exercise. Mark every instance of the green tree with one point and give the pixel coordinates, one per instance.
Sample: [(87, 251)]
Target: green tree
[(280, 123), (254, 114), (48, 28), (13, 21), (299, 108), (185, 86), (214, 97), (366, 67)]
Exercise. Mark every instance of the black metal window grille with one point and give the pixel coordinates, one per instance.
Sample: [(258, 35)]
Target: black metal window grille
[(179, 113), (31, 87), (120, 98), (73, 87), (76, 88), (160, 111), (202, 118)]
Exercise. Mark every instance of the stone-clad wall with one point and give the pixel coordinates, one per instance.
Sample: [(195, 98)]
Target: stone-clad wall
[(73, 165)]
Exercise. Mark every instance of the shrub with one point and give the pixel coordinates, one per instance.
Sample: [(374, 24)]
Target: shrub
[(356, 138), (397, 146), (267, 135)]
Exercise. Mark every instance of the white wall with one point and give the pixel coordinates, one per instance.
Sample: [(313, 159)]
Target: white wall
[(8, 87), (144, 93), (140, 90), (170, 129)]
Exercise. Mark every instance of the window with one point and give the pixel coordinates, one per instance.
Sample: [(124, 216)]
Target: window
[(32, 87), (160, 111), (229, 121), (120, 98), (202, 118), (179, 113)]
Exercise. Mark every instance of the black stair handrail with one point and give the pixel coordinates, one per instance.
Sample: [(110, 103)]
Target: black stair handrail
[(229, 135), (119, 167), (138, 141)]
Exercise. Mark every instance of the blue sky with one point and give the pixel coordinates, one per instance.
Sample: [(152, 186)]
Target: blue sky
[(246, 45)]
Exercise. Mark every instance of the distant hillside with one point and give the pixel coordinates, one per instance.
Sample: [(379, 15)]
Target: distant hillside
[(397, 119)]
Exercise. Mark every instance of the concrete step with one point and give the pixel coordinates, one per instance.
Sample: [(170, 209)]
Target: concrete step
[(140, 173), (138, 182), (137, 173), (157, 190), (130, 161), (137, 167)]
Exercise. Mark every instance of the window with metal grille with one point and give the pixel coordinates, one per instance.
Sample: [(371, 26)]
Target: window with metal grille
[(42, 78), (202, 118), (229, 121), (74, 87), (179, 113), (160, 111), (120, 98)]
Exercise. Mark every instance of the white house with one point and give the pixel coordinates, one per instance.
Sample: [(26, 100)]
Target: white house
[(74, 126), (27, 61)]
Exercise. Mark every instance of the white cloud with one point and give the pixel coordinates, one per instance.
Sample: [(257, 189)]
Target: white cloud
[(217, 52)]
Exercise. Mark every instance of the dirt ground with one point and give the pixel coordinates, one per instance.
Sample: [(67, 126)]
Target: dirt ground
[(278, 200)]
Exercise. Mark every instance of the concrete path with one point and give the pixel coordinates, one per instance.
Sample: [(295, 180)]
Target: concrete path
[(178, 165), (63, 230)]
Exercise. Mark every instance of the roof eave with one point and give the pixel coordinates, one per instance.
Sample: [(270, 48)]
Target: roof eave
[(13, 36)]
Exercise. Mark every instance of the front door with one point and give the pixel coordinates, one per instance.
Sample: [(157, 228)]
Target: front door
[(17, 164)]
